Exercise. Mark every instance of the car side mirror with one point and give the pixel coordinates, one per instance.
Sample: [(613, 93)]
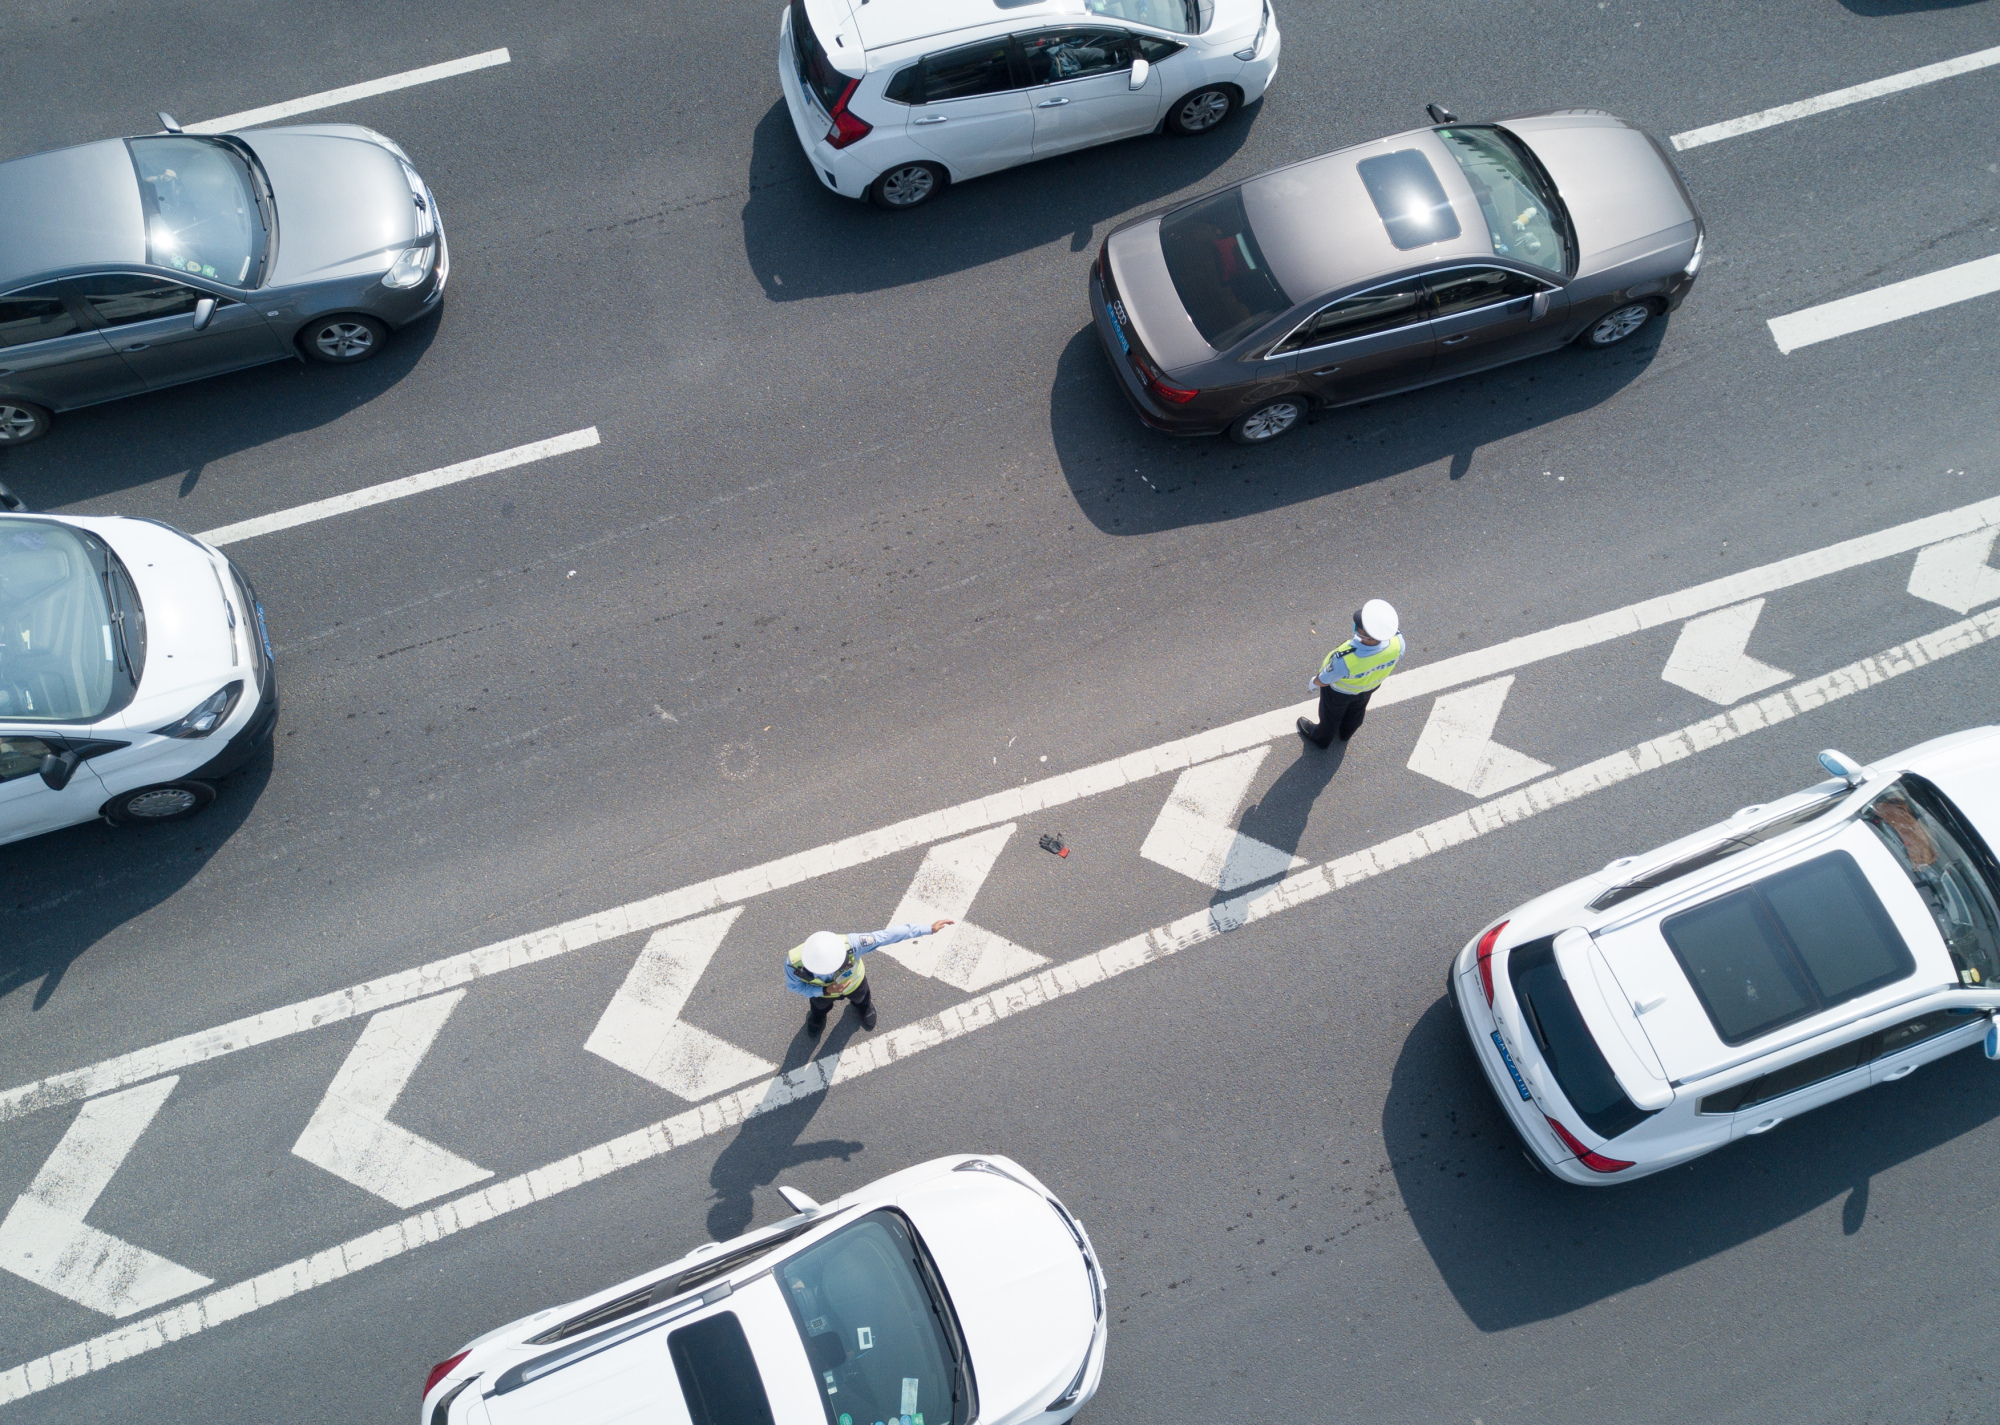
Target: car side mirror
[(1538, 308), (1141, 67), (203, 310), (799, 1201), (58, 767), (1842, 766)]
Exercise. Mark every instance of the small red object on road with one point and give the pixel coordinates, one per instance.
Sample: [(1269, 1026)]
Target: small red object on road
[(1054, 843)]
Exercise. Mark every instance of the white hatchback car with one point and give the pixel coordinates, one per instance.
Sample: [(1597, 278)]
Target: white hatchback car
[(134, 671), (957, 1289), (1716, 987), (893, 99)]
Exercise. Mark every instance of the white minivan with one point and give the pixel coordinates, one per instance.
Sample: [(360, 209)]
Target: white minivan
[(1727, 983), (134, 671), (894, 99)]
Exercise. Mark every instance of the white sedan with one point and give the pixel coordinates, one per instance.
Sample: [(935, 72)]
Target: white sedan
[(954, 1290), (1726, 983)]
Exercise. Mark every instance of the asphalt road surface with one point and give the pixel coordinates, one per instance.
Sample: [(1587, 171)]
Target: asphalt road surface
[(869, 533)]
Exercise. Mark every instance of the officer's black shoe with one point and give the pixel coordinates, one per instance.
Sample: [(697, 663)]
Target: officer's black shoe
[(1310, 732), (815, 1025), (868, 1017)]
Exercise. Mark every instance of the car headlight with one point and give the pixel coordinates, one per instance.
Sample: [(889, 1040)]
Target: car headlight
[(1258, 43), (212, 712), (412, 267), (1694, 262)]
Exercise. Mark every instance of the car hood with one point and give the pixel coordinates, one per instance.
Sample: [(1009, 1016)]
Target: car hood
[(1017, 1281), (191, 648), (344, 207), (1623, 196)]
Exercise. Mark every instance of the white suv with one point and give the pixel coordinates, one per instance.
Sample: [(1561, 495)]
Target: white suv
[(1715, 988), (893, 99)]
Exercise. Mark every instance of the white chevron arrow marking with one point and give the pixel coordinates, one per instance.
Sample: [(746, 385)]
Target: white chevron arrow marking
[(45, 1239), (1457, 746), (350, 1134), (1195, 834), (1708, 658), (947, 882), (1956, 573), (641, 1030)]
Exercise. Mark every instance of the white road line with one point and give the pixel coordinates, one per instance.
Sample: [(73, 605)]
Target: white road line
[(45, 1238), (641, 1030), (1708, 658), (1958, 573), (965, 956), (1195, 833), (350, 1134), (409, 78), (1457, 748), (1978, 278), (1838, 99), (1009, 805), (1054, 983), (403, 488)]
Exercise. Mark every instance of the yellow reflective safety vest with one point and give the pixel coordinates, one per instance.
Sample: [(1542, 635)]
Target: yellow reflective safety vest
[(1362, 672), (844, 982)]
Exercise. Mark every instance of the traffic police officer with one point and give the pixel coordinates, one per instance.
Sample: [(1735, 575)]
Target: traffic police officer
[(1352, 672), (827, 967)]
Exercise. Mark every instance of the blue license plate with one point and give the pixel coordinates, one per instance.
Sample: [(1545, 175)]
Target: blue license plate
[(1508, 1060), (1118, 329), (264, 634)]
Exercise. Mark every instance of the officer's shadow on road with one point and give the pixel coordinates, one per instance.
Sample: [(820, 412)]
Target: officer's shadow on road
[(767, 1146), (1127, 479), (1279, 817), (1515, 1247)]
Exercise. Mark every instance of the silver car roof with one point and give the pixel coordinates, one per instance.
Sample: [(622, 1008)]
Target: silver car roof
[(71, 207)]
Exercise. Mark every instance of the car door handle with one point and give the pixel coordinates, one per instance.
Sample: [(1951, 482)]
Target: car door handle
[(1765, 1127), (1324, 371), (1455, 340), (137, 346), (933, 119), (1895, 1074), (1050, 103)]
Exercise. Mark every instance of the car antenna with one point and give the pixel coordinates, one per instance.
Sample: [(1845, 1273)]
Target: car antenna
[(169, 122), (10, 501), (1439, 114)]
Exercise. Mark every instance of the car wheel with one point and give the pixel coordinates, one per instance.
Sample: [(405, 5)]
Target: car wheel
[(169, 801), (343, 340), (1616, 325), (1202, 110), (911, 185), (21, 422), (1268, 421)]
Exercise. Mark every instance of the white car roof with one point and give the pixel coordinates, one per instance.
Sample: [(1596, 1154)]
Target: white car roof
[(853, 35)]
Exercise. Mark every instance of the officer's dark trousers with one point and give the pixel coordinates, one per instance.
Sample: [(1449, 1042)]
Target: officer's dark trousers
[(1339, 714), (861, 998)]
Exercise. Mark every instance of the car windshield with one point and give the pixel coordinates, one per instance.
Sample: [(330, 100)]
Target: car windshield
[(1952, 869), (1219, 271), (880, 1336), (72, 633), (202, 210), (1183, 17), (1525, 217)]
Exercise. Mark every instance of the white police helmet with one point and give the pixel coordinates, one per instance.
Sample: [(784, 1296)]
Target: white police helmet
[(1378, 620), (824, 952)]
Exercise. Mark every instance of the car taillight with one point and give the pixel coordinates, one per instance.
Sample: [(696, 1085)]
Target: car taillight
[(1158, 387), (846, 128), (1486, 944), (441, 1370), (1596, 1162)]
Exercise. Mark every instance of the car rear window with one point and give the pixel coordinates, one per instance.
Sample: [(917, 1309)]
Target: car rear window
[(1566, 1043), (1811, 937), (718, 1374), (816, 71), (1411, 201), (1219, 271)]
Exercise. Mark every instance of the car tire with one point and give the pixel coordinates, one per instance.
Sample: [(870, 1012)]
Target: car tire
[(1269, 421), (22, 421), (907, 186), (343, 338), (164, 801), (1203, 111), (1618, 324)]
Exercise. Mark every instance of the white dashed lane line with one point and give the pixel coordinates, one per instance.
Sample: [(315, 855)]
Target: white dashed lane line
[(1838, 99), (1979, 278), (327, 99)]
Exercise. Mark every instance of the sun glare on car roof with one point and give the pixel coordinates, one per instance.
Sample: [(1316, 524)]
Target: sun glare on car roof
[(1409, 197)]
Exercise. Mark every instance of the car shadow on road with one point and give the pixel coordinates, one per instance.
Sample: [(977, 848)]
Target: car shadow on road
[(803, 241), (766, 1146), (1516, 1247), (101, 450), (1128, 479), (66, 891)]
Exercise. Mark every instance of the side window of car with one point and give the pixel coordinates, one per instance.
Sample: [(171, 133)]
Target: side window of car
[(1055, 55), (119, 298), (907, 87), (22, 756), (1793, 1077), (1156, 49), (1379, 309), (984, 68), (1466, 289), (34, 315)]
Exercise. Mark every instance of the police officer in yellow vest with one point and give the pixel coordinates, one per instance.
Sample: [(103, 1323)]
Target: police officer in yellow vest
[(827, 967), (1353, 671)]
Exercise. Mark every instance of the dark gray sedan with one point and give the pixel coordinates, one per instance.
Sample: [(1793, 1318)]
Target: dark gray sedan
[(1391, 265), (132, 264)]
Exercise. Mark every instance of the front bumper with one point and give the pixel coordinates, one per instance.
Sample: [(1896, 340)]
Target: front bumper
[(1150, 411)]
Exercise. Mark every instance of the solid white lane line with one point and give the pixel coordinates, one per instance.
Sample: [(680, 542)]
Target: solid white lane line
[(409, 78), (1838, 99), (963, 955), (1010, 805), (865, 1056), (1708, 658), (403, 488), (1978, 278), (1457, 748)]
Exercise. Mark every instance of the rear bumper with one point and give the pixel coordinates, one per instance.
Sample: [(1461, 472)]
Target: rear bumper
[(1150, 411), (1543, 1148), (848, 171)]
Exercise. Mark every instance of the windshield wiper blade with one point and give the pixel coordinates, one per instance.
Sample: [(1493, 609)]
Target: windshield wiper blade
[(117, 617)]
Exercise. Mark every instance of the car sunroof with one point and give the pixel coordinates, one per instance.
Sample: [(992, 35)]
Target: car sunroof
[(1409, 197)]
